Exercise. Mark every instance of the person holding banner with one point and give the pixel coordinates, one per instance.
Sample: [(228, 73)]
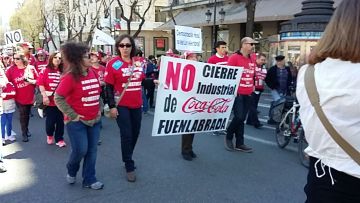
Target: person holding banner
[(188, 139), (220, 56), (124, 74), (241, 58)]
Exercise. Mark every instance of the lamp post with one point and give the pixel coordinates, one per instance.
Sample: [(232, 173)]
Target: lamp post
[(214, 26)]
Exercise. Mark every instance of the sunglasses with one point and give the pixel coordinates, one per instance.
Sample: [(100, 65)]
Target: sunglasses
[(125, 45), (252, 44), (17, 58), (56, 57)]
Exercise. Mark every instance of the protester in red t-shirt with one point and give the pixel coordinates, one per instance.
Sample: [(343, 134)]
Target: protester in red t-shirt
[(23, 76), (220, 56), (243, 59), (126, 70), (188, 139), (41, 60), (48, 81), (77, 96), (260, 74), (27, 48)]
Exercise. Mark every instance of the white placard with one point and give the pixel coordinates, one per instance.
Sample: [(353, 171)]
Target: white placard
[(194, 97), (101, 38), (188, 39), (13, 37)]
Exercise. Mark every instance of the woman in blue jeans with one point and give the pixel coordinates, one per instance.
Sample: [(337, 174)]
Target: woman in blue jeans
[(119, 72), (77, 96)]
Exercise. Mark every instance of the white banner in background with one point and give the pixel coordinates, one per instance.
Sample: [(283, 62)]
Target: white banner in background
[(13, 37), (101, 38), (188, 39), (194, 97)]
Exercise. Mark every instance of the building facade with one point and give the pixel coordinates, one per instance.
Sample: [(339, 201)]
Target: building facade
[(269, 15)]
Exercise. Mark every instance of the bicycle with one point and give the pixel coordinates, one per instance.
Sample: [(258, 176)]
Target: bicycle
[(290, 127)]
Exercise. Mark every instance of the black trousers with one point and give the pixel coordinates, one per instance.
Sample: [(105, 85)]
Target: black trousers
[(252, 118), (240, 109), (320, 190), (149, 87), (54, 123), (24, 116), (129, 122), (186, 143)]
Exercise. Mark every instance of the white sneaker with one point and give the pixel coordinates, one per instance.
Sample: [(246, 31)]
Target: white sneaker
[(3, 142), (6, 138), (11, 138)]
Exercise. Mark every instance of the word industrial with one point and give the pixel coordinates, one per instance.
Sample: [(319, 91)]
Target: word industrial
[(190, 126)]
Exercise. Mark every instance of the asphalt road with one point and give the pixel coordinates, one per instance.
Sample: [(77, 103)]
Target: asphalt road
[(36, 171)]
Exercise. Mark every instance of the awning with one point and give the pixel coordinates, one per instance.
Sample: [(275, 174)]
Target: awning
[(266, 10)]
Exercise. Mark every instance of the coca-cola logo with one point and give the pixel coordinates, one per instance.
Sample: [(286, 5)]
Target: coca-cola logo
[(218, 105)]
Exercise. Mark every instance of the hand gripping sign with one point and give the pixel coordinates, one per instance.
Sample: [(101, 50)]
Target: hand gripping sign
[(194, 97)]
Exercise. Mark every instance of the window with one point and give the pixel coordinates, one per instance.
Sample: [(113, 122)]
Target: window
[(84, 2), (159, 16), (91, 17), (79, 21), (85, 20), (74, 23), (90, 1), (117, 13), (136, 17), (61, 17)]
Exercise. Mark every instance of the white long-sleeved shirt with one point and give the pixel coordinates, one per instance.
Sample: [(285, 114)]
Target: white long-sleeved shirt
[(338, 84)]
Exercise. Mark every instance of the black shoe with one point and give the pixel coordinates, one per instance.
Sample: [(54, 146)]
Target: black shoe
[(192, 154), (187, 156), (229, 145), (244, 148), (258, 126), (25, 138)]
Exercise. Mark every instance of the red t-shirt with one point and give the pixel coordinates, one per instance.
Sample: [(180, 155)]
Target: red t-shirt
[(40, 65), (24, 90), (31, 59), (260, 74), (246, 86), (215, 59), (118, 72), (100, 71), (49, 78), (83, 95)]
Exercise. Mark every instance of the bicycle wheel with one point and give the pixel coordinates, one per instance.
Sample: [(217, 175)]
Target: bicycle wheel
[(304, 158), (283, 131)]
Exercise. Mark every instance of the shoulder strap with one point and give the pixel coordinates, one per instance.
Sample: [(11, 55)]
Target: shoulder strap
[(313, 95), (126, 85)]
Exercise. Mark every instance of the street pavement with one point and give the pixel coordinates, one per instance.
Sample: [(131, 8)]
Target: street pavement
[(36, 171)]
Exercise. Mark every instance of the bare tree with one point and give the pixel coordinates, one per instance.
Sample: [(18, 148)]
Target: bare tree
[(134, 12)]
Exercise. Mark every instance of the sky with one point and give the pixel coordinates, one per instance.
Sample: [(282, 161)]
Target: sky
[(6, 9)]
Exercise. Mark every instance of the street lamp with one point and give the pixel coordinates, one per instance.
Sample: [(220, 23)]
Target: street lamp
[(214, 27)]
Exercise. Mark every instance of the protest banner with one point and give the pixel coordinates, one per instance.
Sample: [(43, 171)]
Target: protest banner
[(194, 97), (13, 37), (188, 39)]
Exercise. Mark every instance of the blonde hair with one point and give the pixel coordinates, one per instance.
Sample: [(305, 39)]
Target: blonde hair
[(341, 38), (22, 57)]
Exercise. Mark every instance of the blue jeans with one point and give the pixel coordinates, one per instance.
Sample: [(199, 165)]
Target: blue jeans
[(6, 122), (129, 122), (240, 109), (83, 139)]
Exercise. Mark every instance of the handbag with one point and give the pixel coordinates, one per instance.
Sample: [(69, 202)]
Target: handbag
[(313, 95), (118, 99)]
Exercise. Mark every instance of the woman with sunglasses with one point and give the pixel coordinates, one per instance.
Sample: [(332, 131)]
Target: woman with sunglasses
[(119, 72), (77, 96), (48, 81), (23, 76)]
